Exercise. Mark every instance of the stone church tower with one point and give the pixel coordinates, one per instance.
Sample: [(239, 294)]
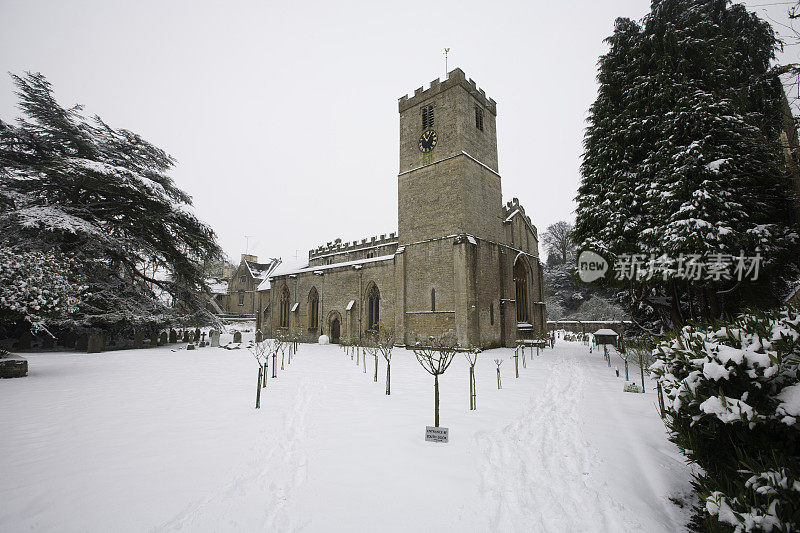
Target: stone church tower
[(460, 261)]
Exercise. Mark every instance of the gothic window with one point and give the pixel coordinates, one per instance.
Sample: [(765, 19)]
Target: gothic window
[(285, 308), (521, 283), (371, 254), (491, 313), (241, 297), (433, 299), (427, 117), (479, 118), (373, 307), (313, 309), (243, 279)]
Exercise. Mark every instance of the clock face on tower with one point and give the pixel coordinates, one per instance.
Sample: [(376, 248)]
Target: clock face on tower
[(427, 141)]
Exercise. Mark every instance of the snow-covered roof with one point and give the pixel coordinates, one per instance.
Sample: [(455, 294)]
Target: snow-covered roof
[(217, 285), (315, 269), (606, 331), (260, 270), (282, 268)]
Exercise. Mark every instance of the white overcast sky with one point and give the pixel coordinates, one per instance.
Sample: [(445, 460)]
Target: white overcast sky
[(283, 115)]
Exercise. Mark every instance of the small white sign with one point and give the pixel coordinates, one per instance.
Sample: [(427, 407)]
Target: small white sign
[(434, 434)]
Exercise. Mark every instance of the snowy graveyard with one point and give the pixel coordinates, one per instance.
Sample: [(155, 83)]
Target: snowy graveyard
[(166, 439)]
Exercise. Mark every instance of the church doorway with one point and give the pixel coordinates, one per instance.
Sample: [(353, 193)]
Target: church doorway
[(335, 327)]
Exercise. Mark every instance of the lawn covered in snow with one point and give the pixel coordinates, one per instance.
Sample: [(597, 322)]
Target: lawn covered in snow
[(167, 439)]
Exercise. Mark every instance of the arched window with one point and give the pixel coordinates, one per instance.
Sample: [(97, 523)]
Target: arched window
[(313, 309), (521, 283), (433, 299), (373, 307), (285, 308)]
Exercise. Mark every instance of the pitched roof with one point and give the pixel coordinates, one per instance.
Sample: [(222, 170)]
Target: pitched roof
[(261, 270)]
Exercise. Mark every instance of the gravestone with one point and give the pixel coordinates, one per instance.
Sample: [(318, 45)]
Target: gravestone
[(162, 339), (186, 335), (191, 336), (96, 343), (214, 338), (173, 336), (24, 341), (237, 337), (190, 346), (259, 336), (197, 334), (154, 340), (82, 343), (13, 366), (203, 340), (138, 339)]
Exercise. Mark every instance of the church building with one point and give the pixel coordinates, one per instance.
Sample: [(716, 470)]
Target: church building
[(461, 260)]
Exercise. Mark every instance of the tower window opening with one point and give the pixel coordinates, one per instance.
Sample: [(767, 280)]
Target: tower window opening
[(433, 299), (491, 313), (427, 117), (479, 118)]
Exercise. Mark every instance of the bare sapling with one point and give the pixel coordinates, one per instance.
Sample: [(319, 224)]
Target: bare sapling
[(435, 357), (498, 362), (472, 358), (516, 360), (385, 345), (258, 349)]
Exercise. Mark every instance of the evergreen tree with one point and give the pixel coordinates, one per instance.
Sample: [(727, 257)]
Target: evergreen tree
[(682, 157), (100, 197)]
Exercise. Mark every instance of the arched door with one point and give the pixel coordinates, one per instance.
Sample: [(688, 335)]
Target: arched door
[(335, 330)]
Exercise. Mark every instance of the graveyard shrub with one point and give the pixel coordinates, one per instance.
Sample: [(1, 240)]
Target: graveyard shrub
[(732, 406)]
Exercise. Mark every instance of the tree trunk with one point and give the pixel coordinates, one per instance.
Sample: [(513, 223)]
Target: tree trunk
[(626, 370), (376, 368), (258, 390), (436, 399), (274, 365), (473, 391), (641, 369), (516, 365), (388, 376), (499, 386), (264, 373)]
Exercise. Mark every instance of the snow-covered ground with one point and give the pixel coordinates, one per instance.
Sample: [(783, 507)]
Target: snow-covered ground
[(164, 439)]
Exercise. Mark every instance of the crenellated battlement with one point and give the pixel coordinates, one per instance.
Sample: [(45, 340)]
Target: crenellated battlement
[(337, 246), (454, 77)]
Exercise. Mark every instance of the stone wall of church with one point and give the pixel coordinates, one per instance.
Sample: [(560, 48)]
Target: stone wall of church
[(336, 288), (449, 197), (429, 266)]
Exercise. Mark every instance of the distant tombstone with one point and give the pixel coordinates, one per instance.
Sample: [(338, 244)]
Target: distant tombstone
[(138, 339), (173, 336), (259, 336), (197, 334), (191, 336), (190, 346), (237, 337), (82, 343), (162, 339), (214, 338), (186, 335), (154, 340), (203, 341), (96, 343), (24, 341)]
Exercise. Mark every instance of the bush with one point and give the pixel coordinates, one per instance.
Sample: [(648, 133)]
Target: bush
[(732, 399), (630, 386)]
